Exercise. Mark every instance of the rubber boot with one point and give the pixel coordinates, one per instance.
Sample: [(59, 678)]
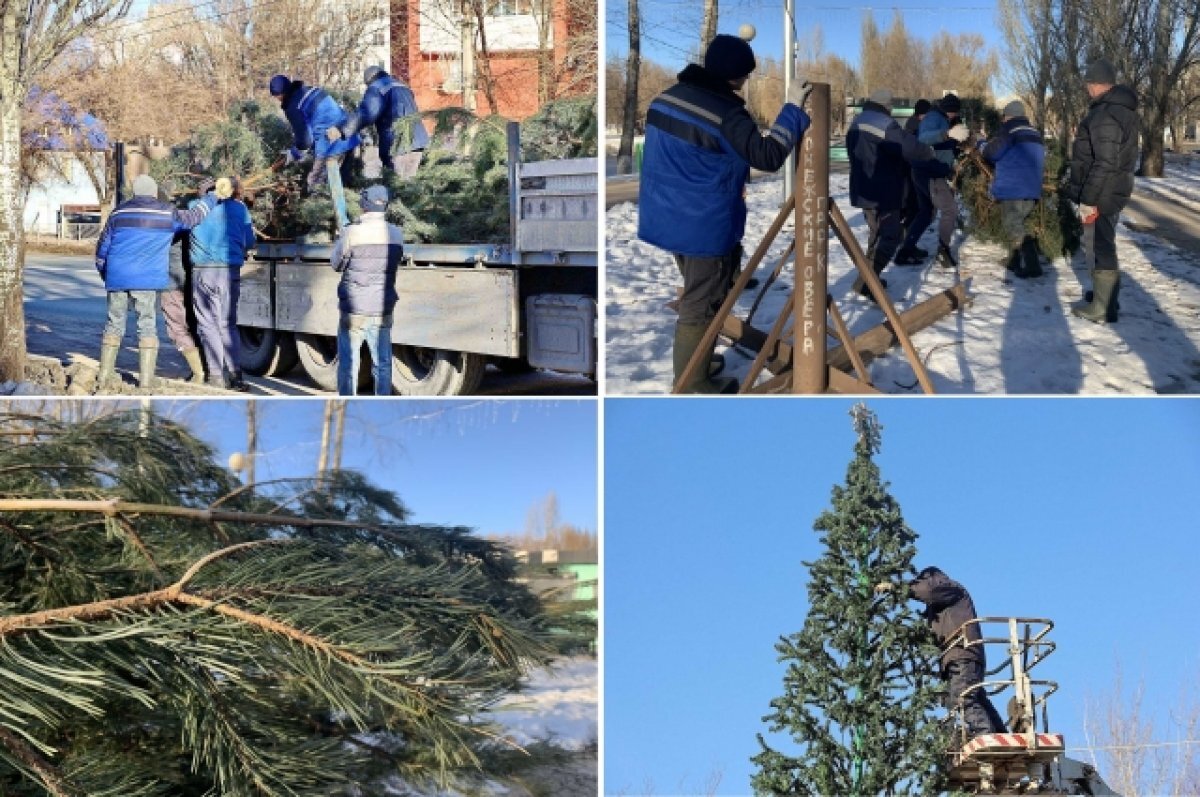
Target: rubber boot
[(109, 346), (1013, 263), (687, 340), (1104, 291), (147, 359), (1033, 260), (192, 356), (1114, 306)]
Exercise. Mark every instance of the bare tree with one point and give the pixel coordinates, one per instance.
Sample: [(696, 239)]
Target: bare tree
[(961, 62), (32, 34), (633, 68), (1028, 32), (1135, 758), (708, 23)]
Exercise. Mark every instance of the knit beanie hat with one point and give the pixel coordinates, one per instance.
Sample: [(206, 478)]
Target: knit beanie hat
[(882, 97), (144, 185), (921, 107), (1014, 109), (278, 85), (375, 199), (1101, 71), (729, 57), (950, 104), (224, 188)]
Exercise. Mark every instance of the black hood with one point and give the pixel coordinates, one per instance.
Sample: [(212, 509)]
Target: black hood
[(1118, 95), (696, 75)]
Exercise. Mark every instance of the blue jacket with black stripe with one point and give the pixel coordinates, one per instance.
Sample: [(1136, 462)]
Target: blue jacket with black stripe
[(134, 249), (311, 113), (385, 101), (700, 145), (1020, 156), (881, 152)]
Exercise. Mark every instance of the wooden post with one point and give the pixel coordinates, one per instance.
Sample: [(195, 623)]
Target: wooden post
[(812, 247)]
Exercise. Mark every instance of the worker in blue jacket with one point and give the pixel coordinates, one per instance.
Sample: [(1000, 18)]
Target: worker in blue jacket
[(1020, 156), (132, 257), (385, 101), (312, 114), (701, 143), (218, 249)]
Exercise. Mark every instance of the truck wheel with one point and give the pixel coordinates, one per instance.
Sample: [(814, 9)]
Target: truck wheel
[(318, 357), (266, 352), (435, 372)]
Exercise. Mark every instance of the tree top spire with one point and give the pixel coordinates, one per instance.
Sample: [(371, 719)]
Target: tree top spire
[(867, 427)]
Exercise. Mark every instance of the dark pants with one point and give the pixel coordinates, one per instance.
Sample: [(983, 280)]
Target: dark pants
[(706, 283), (933, 194), (174, 312), (1104, 241), (215, 294), (1013, 213), (978, 712), (885, 234)]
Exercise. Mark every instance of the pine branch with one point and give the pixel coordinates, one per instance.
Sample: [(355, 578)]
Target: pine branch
[(56, 785)]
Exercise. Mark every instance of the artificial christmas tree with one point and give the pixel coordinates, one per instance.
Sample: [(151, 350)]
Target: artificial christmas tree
[(165, 630), (861, 685)]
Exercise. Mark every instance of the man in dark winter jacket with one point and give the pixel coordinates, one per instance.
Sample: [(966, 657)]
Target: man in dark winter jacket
[(385, 101), (132, 257), (367, 255), (1103, 159), (942, 130), (314, 117), (881, 153), (912, 197), (948, 606), (700, 145), (1019, 155)]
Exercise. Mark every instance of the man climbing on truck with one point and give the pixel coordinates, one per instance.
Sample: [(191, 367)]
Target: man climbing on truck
[(385, 101), (312, 113), (948, 606)]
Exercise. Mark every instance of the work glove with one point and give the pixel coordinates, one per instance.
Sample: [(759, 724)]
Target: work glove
[(1088, 213), (798, 92), (333, 133), (206, 185), (884, 586), (959, 133)]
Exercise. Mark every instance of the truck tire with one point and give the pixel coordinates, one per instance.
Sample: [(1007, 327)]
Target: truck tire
[(318, 357), (435, 372), (266, 352)]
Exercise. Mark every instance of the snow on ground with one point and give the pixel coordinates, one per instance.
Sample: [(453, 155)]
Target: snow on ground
[(1016, 337), (559, 705)]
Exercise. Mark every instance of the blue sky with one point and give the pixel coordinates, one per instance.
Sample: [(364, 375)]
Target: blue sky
[(1082, 511), (671, 28), (473, 463)]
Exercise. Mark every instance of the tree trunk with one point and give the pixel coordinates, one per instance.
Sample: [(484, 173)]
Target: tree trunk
[(12, 241), (633, 66), (484, 61), (708, 27), (251, 441)]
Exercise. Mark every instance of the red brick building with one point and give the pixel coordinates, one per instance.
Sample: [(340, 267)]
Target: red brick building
[(532, 55)]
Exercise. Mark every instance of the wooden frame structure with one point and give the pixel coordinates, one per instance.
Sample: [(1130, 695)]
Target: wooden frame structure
[(807, 365)]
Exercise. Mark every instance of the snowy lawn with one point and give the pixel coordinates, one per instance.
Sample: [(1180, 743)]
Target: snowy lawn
[(1017, 336)]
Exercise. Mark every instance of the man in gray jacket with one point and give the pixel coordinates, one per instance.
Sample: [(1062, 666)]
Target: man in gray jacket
[(947, 606), (367, 254)]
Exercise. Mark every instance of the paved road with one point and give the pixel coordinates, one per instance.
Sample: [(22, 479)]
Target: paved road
[(1172, 219), (64, 314)]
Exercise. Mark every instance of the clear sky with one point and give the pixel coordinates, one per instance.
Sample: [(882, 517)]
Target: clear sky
[(481, 464), (1082, 511), (671, 28)]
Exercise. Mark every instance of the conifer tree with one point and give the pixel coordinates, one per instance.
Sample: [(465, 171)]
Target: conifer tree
[(860, 687), (166, 631)]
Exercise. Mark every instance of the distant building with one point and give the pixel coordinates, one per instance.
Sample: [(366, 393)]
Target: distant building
[(427, 53)]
